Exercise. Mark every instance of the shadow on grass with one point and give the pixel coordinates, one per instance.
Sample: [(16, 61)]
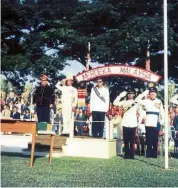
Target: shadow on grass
[(9, 154), (151, 163), (144, 160)]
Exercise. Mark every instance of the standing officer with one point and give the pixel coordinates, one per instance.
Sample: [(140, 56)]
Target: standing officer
[(43, 98), (154, 117), (129, 121), (99, 105)]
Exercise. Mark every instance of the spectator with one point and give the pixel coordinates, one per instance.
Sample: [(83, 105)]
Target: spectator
[(6, 113), (58, 120), (171, 115), (15, 98), (80, 122), (175, 121), (15, 114), (34, 117), (18, 105), (75, 126), (24, 106), (8, 99), (88, 113), (3, 94), (116, 122), (11, 93), (27, 114), (11, 105), (51, 113), (26, 95)]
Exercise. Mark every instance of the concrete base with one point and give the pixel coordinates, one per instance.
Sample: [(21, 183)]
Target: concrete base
[(14, 143), (96, 148)]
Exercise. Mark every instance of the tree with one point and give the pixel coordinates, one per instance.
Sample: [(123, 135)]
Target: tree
[(118, 31)]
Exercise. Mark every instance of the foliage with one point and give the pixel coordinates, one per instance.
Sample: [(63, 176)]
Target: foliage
[(118, 31), (5, 84)]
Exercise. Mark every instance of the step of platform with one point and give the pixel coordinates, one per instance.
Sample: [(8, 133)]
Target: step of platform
[(43, 153), (43, 142)]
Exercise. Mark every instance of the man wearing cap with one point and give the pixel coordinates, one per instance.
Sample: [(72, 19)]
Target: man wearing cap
[(129, 121), (43, 98), (69, 102), (99, 105), (154, 117)]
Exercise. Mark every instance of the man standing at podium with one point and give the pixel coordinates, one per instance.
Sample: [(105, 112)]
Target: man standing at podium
[(43, 98)]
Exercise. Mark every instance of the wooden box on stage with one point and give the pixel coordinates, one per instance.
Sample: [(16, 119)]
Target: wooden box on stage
[(44, 128)]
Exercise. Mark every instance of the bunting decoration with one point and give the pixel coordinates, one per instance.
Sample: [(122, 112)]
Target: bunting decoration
[(82, 93)]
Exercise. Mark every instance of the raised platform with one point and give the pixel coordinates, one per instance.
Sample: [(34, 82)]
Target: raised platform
[(63, 146), (95, 148)]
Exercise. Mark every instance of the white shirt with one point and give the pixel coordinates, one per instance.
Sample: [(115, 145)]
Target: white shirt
[(153, 106), (96, 104), (130, 116), (69, 94)]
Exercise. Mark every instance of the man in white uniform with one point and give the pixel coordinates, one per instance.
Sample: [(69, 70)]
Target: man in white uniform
[(69, 102), (99, 105), (129, 121), (154, 117)]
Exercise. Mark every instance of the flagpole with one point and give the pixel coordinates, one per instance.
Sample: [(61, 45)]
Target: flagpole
[(88, 57), (166, 159)]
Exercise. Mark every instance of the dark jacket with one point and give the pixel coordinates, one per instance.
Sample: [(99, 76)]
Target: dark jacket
[(44, 96), (175, 122), (26, 116), (15, 115)]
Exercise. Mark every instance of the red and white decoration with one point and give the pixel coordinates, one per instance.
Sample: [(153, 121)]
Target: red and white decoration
[(118, 70)]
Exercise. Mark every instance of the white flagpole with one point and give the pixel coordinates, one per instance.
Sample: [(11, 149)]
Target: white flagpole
[(166, 86), (87, 61)]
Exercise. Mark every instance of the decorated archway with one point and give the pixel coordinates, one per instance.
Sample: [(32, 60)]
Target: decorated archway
[(118, 70), (111, 70)]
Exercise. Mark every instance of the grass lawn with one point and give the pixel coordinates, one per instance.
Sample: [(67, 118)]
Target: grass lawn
[(80, 172)]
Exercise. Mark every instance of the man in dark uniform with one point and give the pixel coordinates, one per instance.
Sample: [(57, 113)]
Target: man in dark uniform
[(43, 98)]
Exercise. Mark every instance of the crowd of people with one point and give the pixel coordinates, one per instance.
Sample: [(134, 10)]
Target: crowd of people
[(20, 107), (17, 106), (127, 116)]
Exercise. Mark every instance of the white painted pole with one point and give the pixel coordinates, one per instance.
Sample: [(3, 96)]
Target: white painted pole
[(166, 85)]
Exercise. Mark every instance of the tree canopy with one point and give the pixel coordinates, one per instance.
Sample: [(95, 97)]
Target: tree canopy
[(118, 32)]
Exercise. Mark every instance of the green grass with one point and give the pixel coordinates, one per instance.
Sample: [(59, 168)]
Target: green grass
[(82, 172)]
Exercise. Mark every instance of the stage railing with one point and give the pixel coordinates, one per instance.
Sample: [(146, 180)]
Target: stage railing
[(107, 124)]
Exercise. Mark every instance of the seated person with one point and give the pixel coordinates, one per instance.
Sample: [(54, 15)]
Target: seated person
[(15, 114)]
